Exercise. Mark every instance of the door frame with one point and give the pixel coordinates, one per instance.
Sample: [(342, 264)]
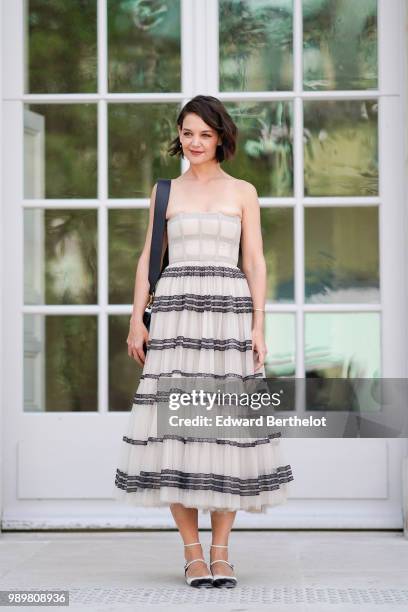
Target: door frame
[(199, 74)]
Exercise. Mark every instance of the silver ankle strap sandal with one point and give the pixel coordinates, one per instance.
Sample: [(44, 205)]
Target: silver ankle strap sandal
[(197, 581), (220, 580)]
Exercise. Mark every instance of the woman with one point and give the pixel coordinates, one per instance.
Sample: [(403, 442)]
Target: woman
[(207, 321)]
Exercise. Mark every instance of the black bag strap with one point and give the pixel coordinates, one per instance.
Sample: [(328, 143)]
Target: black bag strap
[(159, 224)]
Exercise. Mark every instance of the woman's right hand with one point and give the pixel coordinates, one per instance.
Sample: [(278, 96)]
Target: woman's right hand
[(138, 334)]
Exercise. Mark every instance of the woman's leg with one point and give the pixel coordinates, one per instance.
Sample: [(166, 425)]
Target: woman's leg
[(221, 523), (187, 522)]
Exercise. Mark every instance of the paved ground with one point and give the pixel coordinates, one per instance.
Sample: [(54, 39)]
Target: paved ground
[(289, 571)]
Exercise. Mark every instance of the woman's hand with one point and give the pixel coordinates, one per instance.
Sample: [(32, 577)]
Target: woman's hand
[(138, 334), (259, 347)]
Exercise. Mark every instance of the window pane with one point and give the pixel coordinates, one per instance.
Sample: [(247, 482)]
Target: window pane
[(255, 42), (60, 156), (280, 342), (60, 363), (139, 135), (124, 371), (277, 237), (144, 46), (341, 147), (342, 345), (62, 55), (127, 235), (60, 256), (341, 255), (340, 44), (264, 154)]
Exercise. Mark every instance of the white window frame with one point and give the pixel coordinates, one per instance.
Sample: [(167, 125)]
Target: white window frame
[(200, 75)]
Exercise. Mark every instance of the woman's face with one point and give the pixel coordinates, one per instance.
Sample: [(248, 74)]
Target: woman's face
[(198, 140)]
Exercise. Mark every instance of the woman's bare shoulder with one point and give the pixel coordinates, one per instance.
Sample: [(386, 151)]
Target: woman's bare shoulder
[(245, 192)]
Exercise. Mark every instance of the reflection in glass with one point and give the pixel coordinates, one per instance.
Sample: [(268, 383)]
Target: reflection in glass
[(264, 154), (60, 154), (342, 345), (280, 343), (255, 43), (127, 235), (60, 256), (139, 136), (60, 363), (339, 44), (277, 238), (341, 254), (341, 147), (61, 47), (124, 371), (144, 46)]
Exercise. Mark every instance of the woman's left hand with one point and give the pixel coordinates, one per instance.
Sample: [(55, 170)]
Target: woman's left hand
[(259, 347)]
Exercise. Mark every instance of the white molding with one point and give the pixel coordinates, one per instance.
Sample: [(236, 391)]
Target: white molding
[(2, 267), (199, 75), (187, 49)]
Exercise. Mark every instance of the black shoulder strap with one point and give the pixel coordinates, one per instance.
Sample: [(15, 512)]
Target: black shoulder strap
[(159, 224)]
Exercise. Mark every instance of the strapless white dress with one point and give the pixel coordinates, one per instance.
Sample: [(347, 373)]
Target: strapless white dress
[(200, 326)]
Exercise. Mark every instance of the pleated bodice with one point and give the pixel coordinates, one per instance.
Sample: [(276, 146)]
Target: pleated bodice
[(204, 237)]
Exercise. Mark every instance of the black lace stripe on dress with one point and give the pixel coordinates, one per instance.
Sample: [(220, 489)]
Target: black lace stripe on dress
[(200, 343), (202, 297), (204, 270), (207, 482), (200, 375), (202, 303), (185, 440)]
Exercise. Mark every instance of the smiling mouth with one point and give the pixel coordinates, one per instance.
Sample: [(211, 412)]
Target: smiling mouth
[(196, 152)]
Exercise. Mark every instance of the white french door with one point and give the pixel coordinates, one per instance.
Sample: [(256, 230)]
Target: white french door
[(317, 92)]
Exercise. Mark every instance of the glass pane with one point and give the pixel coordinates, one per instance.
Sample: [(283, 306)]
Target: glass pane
[(144, 45), (341, 147), (62, 56), (255, 43), (341, 255), (277, 237), (280, 342), (264, 153), (60, 156), (342, 345), (60, 363), (340, 44), (60, 256), (127, 235), (124, 371), (139, 135)]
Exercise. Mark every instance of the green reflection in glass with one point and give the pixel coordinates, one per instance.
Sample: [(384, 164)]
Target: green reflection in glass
[(62, 55), (124, 371), (342, 345), (60, 363), (255, 44), (264, 153), (127, 235), (341, 147), (60, 256), (139, 136), (341, 255), (280, 342), (277, 238), (144, 46), (340, 44), (67, 166)]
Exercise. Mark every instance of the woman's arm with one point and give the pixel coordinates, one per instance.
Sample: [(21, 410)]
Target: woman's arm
[(254, 267), (253, 260)]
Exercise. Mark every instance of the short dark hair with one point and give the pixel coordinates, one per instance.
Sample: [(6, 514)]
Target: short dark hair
[(213, 112)]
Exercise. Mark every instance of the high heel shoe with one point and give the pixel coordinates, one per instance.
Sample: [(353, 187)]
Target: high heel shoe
[(220, 580), (197, 581)]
